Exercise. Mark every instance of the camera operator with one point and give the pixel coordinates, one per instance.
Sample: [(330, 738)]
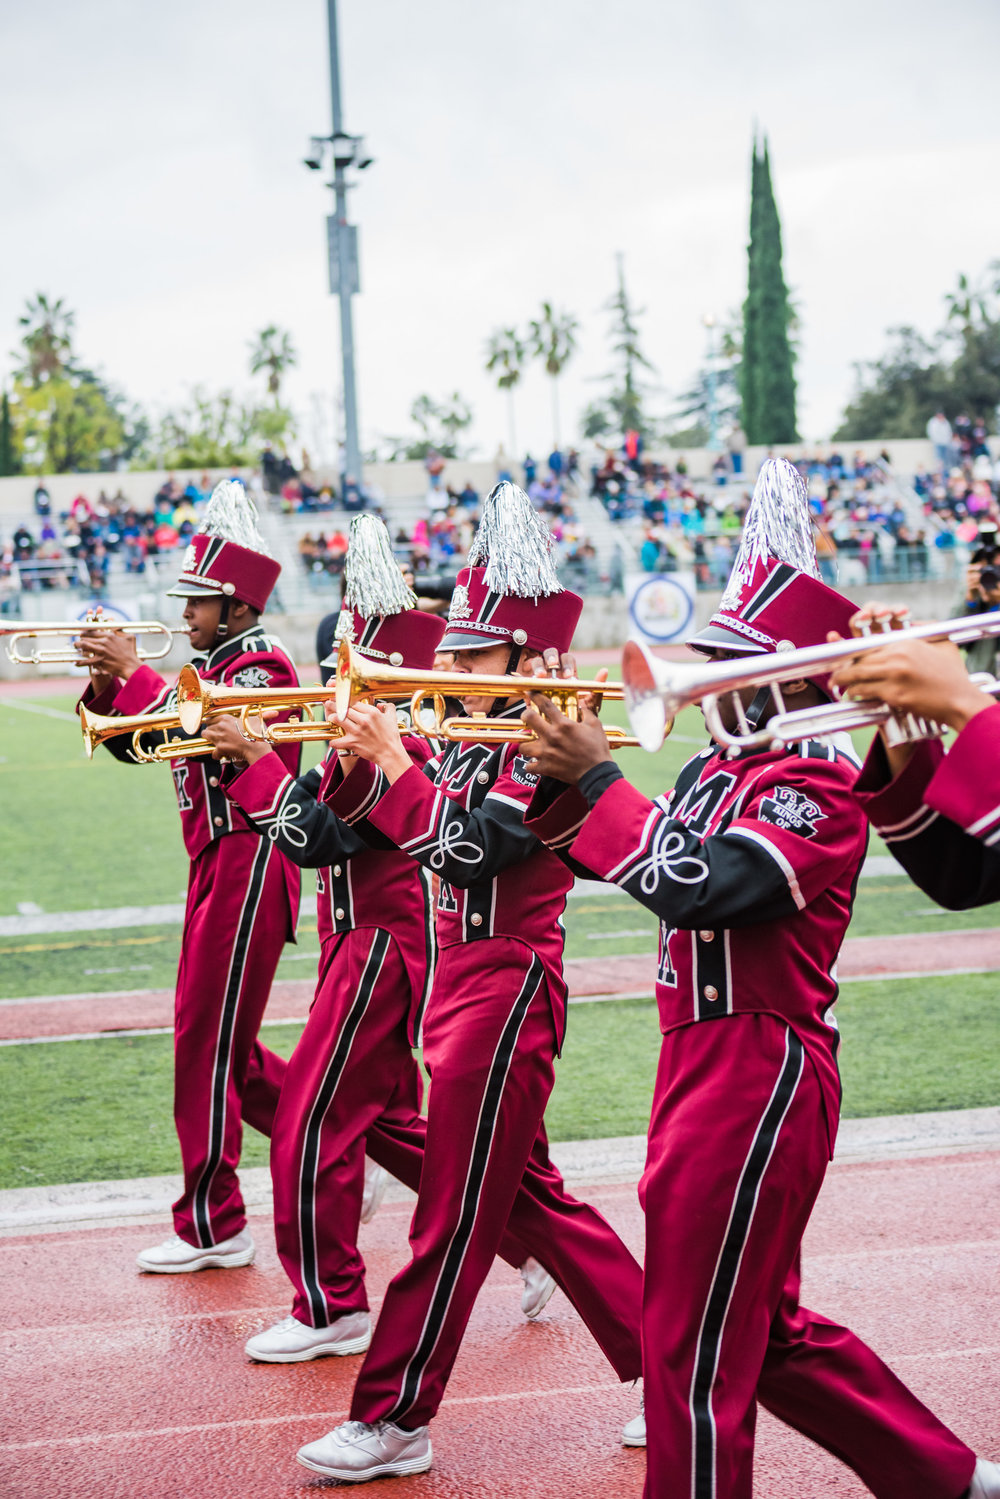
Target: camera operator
[(982, 594)]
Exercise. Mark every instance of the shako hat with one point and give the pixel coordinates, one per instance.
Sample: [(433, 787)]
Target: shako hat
[(774, 599), (379, 614), (509, 593), (228, 557)]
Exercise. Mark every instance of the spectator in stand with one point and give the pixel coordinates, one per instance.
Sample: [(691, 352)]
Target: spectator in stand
[(556, 464), (43, 500), (469, 499), (737, 445), (572, 467), (939, 436), (530, 469), (632, 447)]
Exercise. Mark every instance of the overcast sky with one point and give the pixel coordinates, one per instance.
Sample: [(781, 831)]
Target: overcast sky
[(151, 176)]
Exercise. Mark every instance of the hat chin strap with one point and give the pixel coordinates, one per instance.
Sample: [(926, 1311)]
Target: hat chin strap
[(499, 703), (758, 703), (222, 628)]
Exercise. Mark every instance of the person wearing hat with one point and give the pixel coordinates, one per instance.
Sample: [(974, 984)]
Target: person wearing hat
[(243, 895), (938, 813), (494, 1020), (751, 865)]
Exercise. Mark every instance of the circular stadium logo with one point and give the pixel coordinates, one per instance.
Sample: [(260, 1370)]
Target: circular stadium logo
[(661, 608)]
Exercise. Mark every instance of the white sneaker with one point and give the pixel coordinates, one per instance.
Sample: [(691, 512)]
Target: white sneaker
[(357, 1451), (376, 1181), (538, 1287), (634, 1431), (175, 1256), (985, 1480), (292, 1342)]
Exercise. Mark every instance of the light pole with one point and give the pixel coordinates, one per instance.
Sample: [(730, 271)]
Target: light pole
[(342, 240), (708, 322)]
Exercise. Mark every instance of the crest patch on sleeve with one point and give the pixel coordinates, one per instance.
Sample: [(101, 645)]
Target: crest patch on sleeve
[(252, 676), (520, 773), (791, 810)]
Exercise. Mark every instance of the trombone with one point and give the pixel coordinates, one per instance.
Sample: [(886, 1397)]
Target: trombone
[(31, 629), (358, 680), (655, 689)]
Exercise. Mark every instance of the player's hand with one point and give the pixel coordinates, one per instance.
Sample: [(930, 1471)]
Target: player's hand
[(924, 677), (551, 664), (231, 744), (372, 733), (561, 748), (107, 654)]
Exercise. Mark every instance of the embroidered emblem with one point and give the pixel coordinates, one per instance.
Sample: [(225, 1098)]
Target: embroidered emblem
[(520, 773), (252, 676), (460, 604), (190, 560), (792, 811), (345, 626)]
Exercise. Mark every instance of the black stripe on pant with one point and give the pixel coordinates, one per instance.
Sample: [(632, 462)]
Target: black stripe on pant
[(727, 1269)]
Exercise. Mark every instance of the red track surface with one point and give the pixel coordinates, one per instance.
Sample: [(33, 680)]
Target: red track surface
[(120, 1385), (861, 957)]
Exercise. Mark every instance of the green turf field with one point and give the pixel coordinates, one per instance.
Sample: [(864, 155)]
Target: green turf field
[(96, 1110), (85, 835)]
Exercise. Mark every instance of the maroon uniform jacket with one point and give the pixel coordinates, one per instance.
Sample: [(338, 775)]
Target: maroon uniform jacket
[(751, 865), (253, 659), (462, 817), (941, 816), (356, 885)]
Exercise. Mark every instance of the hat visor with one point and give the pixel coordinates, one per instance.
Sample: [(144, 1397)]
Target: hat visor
[(717, 638), (193, 591), (465, 640)]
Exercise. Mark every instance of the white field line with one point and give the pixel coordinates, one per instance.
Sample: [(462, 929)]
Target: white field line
[(10, 702), (108, 918)]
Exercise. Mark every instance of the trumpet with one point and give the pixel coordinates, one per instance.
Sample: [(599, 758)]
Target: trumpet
[(98, 727), (198, 700), (655, 688), (31, 629), (358, 681)]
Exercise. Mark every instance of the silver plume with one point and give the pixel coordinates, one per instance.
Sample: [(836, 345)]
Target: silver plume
[(373, 583), (778, 525), (232, 516), (515, 545)]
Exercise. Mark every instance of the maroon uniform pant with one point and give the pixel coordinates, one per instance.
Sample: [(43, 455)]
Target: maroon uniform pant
[(236, 922), (737, 1155), (489, 1043)]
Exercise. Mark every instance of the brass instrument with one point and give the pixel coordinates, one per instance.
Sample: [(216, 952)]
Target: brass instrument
[(30, 629), (198, 700), (97, 727), (358, 680), (655, 689)]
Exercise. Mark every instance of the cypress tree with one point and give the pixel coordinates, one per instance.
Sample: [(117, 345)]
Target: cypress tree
[(8, 454), (767, 379)]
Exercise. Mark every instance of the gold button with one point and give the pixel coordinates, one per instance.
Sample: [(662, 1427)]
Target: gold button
[(476, 919), (336, 871), (706, 936), (710, 991), (218, 821), (483, 777), (213, 780), (339, 913)]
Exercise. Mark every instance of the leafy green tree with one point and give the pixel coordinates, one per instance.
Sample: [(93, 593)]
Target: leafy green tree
[(621, 410), (440, 424), (66, 424), (505, 355), (552, 339), (208, 431), (9, 463), (767, 378), (272, 350), (47, 340)]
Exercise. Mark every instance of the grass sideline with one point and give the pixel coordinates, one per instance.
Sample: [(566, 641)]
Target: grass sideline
[(100, 1110)]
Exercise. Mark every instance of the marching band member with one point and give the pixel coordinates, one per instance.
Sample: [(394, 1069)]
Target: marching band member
[(751, 865), (243, 896), (938, 813), (494, 1019), (354, 1057)]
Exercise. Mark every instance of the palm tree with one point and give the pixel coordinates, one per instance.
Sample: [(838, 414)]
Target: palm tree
[(553, 340), (273, 351), (505, 353), (47, 338)]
